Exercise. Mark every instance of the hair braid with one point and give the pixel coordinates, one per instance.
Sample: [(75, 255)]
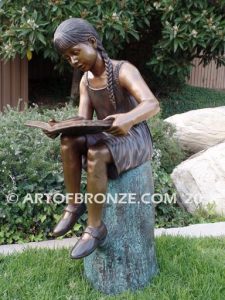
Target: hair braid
[(109, 74)]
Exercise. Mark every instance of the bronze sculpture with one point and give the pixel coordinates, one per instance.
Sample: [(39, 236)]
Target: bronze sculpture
[(114, 90)]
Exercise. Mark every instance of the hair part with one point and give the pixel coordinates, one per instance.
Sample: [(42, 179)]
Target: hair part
[(77, 30)]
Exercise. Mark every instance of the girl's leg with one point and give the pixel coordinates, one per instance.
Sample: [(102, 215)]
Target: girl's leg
[(96, 231), (72, 149), (98, 157)]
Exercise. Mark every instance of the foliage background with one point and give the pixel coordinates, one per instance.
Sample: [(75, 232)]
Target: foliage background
[(160, 37)]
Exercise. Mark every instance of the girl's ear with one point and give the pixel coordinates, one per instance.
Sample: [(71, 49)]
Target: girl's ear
[(93, 41)]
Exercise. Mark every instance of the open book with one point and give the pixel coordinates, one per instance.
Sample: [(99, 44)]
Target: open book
[(73, 126)]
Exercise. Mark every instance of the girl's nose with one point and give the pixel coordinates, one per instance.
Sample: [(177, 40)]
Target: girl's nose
[(73, 60)]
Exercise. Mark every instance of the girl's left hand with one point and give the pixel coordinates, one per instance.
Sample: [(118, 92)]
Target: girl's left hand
[(121, 124)]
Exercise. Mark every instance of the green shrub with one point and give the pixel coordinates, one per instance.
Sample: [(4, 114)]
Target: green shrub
[(189, 98), (167, 155), (168, 149), (30, 163), (167, 34), (28, 26)]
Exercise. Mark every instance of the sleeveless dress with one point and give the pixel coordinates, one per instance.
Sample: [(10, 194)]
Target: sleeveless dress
[(127, 151)]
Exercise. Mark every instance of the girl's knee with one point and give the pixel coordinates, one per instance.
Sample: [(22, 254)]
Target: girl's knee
[(71, 142), (98, 154)]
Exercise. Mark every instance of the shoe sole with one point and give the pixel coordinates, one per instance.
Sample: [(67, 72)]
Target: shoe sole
[(60, 233), (102, 243)]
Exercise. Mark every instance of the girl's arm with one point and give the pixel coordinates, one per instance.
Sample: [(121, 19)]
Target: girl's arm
[(85, 108), (132, 81)]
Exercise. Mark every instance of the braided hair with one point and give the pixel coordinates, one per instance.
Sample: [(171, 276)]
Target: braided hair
[(77, 30)]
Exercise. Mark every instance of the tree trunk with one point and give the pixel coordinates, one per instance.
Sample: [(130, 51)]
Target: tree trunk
[(127, 261)]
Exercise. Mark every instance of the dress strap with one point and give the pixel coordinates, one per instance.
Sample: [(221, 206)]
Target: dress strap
[(117, 71), (86, 79)]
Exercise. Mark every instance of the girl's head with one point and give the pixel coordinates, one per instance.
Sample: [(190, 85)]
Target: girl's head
[(74, 31)]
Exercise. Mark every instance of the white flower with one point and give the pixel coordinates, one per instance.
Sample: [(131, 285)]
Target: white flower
[(170, 8), (167, 23), (157, 5), (31, 23), (210, 21), (24, 10), (187, 18), (9, 49), (194, 33), (115, 16)]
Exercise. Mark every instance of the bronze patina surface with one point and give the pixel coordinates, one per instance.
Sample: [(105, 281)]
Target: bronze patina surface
[(113, 90)]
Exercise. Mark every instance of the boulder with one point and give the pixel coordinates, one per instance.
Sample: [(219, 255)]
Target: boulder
[(200, 180), (199, 129)]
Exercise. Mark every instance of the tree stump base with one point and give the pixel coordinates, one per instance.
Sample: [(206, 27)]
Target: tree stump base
[(127, 260)]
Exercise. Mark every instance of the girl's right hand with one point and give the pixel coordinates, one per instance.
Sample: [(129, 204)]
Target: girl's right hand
[(51, 135)]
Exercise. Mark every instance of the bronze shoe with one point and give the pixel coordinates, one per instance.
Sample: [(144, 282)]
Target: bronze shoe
[(66, 224), (85, 247)]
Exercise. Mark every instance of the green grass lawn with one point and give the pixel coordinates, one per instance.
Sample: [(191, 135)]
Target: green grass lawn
[(189, 269)]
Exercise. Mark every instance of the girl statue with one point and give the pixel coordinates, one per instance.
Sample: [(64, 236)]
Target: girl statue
[(112, 89)]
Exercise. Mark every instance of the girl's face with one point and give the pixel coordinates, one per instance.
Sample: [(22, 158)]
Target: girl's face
[(82, 56)]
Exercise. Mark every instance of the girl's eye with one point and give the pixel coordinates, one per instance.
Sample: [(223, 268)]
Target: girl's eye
[(67, 58)]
